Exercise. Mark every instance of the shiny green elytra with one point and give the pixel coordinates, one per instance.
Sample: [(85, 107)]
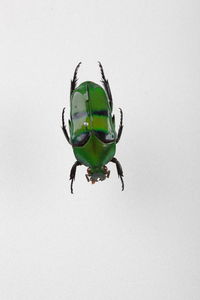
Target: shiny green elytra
[(92, 129)]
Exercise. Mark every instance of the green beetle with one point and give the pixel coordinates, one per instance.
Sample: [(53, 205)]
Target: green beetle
[(92, 129)]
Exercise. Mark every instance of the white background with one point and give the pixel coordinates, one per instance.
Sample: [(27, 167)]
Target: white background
[(100, 243)]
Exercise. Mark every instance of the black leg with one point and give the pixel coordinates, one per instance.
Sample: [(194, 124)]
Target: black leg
[(120, 126), (113, 120), (119, 170), (73, 173), (74, 80), (106, 85), (64, 127)]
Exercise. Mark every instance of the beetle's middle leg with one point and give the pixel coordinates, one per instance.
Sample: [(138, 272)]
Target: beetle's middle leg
[(120, 126), (119, 170), (64, 127)]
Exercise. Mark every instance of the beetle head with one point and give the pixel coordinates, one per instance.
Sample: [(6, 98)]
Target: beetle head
[(95, 175)]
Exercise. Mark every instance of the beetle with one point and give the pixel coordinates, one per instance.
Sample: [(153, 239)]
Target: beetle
[(92, 129)]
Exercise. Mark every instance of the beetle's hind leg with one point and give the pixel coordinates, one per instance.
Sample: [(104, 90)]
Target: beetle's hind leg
[(120, 126), (119, 170), (74, 80), (73, 174), (106, 85), (64, 127)]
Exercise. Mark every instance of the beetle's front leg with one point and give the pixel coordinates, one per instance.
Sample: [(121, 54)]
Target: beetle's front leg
[(106, 85), (73, 173), (119, 170), (64, 127), (87, 177), (74, 80)]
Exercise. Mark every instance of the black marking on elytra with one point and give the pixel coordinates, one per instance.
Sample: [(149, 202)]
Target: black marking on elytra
[(104, 136), (81, 140), (79, 115), (96, 113), (100, 113)]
